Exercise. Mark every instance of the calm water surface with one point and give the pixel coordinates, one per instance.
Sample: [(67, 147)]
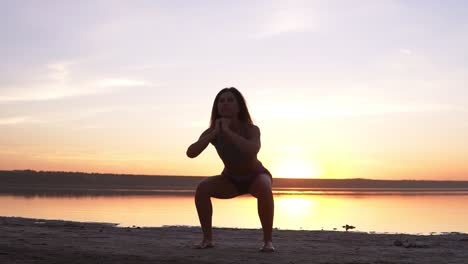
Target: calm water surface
[(369, 213)]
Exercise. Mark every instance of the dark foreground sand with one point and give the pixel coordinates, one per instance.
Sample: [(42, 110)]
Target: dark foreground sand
[(44, 241)]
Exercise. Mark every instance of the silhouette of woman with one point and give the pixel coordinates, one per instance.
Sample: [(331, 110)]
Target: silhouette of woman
[(237, 141)]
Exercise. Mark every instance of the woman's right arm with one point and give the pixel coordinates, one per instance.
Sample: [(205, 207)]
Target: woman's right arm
[(206, 137)]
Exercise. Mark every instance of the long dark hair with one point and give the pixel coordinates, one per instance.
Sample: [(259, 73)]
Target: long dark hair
[(243, 116)]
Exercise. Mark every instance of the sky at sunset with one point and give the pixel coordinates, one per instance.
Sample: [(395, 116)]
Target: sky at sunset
[(339, 89)]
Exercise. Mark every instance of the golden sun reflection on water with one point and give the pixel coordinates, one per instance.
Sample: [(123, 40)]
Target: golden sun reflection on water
[(295, 206)]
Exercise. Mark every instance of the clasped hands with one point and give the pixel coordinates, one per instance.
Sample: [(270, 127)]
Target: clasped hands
[(222, 124)]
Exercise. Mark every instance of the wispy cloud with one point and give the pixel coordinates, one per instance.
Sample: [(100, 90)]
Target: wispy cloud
[(21, 120), (340, 107), (59, 71), (57, 83), (293, 17), (113, 83), (13, 120), (75, 116), (406, 51)]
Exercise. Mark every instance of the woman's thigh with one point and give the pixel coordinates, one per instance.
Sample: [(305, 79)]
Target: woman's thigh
[(218, 187), (261, 185)]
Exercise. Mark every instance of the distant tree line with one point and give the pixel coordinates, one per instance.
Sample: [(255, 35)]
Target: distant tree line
[(31, 178)]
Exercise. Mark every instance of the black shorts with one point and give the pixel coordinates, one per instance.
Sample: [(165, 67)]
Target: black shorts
[(244, 186)]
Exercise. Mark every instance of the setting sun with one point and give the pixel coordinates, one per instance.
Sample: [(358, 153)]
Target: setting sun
[(297, 168)]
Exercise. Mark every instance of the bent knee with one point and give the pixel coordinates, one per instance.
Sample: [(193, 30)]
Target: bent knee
[(264, 181), (262, 186), (203, 188)]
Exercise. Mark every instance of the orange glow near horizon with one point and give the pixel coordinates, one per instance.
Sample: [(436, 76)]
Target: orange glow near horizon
[(284, 160), (297, 168)]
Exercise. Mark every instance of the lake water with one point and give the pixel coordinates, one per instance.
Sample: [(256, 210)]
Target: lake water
[(393, 213)]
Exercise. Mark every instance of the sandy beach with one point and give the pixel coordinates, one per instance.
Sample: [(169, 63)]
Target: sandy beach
[(52, 241)]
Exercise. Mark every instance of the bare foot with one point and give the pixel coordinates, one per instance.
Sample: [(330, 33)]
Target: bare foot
[(267, 247), (205, 244)]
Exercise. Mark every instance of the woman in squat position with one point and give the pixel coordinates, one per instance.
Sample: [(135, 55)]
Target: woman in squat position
[(237, 141)]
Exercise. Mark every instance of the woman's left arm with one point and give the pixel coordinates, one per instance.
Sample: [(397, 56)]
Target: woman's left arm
[(249, 145)]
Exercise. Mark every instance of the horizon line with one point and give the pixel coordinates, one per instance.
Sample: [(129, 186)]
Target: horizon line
[(201, 176)]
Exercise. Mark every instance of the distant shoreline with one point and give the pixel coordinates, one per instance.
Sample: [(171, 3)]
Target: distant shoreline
[(83, 191), (29, 182)]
